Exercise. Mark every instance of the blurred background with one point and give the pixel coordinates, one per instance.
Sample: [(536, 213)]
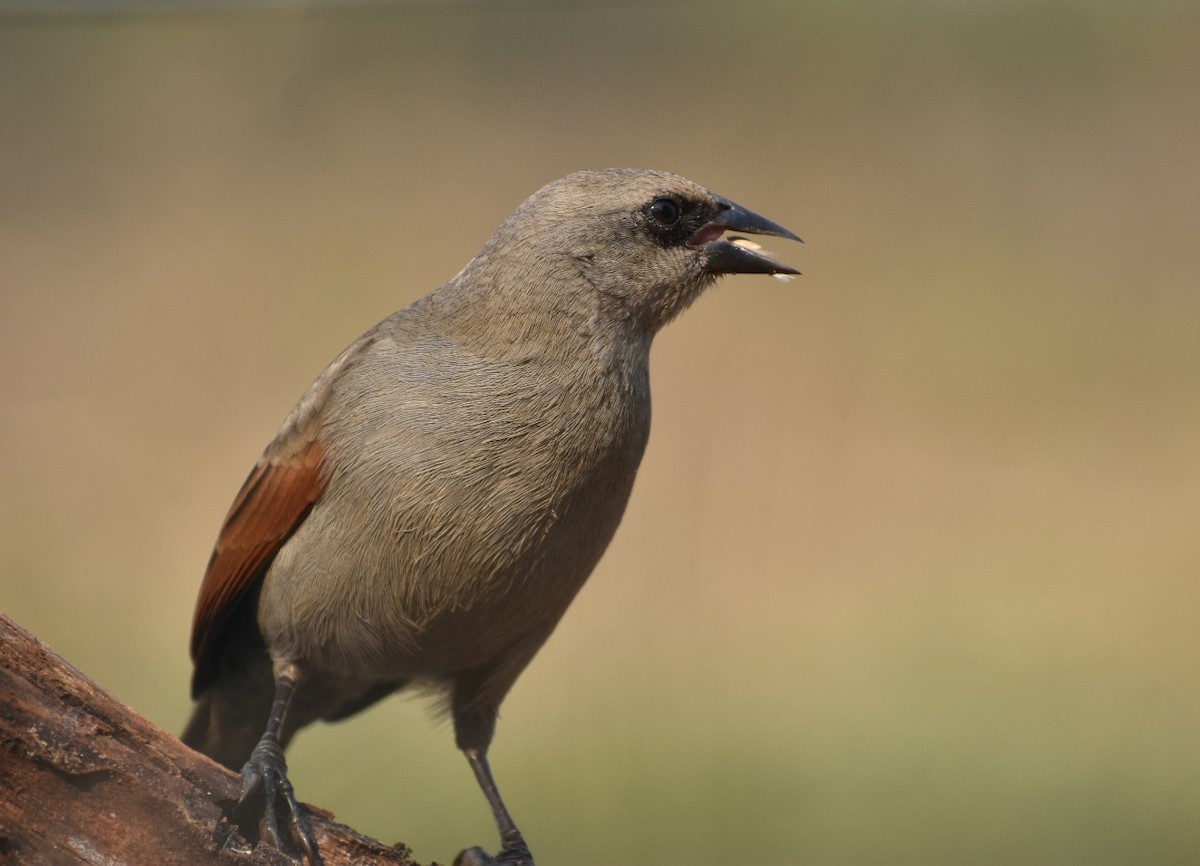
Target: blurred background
[(910, 572)]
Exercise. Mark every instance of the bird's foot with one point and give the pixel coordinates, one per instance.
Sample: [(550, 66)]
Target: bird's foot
[(510, 855), (267, 794)]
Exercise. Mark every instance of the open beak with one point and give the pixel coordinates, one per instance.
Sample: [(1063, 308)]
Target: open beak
[(737, 256)]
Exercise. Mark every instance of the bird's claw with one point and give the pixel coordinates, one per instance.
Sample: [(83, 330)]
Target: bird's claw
[(282, 823)]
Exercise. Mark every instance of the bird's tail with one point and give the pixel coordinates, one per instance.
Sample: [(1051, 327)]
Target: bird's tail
[(229, 718)]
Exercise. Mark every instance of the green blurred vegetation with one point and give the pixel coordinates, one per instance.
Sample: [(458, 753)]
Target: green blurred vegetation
[(910, 573)]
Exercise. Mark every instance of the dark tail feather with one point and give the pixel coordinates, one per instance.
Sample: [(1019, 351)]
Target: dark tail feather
[(229, 719), (195, 734)]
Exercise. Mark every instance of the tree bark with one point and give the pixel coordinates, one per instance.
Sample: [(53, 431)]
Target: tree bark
[(85, 780)]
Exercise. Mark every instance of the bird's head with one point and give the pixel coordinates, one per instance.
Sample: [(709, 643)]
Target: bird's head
[(648, 242)]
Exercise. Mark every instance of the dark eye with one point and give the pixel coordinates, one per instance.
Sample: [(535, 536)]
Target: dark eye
[(664, 211)]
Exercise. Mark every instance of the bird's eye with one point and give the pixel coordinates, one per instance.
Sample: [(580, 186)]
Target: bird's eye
[(664, 211)]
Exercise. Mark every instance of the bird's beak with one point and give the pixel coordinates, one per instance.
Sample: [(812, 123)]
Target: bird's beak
[(737, 255)]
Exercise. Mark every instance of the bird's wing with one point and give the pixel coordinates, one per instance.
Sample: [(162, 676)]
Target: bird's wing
[(280, 491), (273, 502)]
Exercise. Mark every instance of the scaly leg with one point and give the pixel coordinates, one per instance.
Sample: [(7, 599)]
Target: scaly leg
[(513, 851), (283, 824)]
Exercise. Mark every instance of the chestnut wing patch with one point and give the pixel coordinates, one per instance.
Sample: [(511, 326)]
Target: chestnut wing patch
[(273, 502)]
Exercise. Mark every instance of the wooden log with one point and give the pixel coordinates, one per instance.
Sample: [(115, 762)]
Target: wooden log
[(86, 780)]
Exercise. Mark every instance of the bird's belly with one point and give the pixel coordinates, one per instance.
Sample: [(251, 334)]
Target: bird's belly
[(449, 583)]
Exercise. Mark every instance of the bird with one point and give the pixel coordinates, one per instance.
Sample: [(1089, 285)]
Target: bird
[(435, 500)]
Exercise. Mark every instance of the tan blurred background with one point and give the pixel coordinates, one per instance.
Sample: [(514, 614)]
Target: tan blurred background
[(910, 572)]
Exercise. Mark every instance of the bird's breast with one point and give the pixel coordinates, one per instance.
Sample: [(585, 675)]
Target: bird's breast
[(462, 516)]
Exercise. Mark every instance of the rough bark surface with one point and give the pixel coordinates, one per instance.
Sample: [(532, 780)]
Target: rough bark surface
[(85, 780)]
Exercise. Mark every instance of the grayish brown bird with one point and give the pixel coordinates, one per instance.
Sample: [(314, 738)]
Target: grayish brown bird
[(436, 499)]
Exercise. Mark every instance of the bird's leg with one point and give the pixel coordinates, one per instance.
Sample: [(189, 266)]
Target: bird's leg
[(283, 824), (475, 703), (513, 851)]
